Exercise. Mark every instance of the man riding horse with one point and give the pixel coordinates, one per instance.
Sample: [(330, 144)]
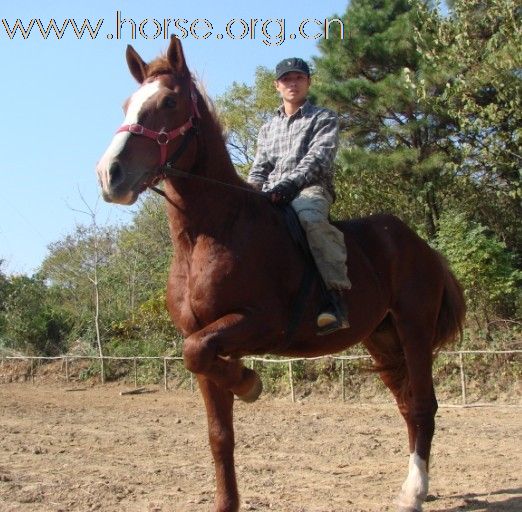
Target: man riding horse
[(294, 165)]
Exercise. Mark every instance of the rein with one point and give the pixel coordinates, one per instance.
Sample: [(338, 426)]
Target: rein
[(169, 171)]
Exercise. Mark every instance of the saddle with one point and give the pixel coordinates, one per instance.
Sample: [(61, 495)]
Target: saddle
[(310, 274)]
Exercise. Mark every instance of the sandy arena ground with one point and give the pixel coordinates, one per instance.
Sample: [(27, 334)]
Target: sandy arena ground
[(96, 450)]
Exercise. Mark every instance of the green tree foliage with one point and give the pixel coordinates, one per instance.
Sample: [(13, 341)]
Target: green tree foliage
[(70, 271), (3, 278), (144, 251), (33, 323), (477, 53), (4, 292), (138, 273), (481, 263), (131, 264), (430, 117), (243, 109)]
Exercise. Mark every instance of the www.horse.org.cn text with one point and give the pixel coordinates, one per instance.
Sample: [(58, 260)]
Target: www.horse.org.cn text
[(271, 31)]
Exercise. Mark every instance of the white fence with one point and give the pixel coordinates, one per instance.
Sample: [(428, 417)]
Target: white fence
[(460, 354)]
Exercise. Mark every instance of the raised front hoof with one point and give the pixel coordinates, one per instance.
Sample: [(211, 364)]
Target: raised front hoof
[(253, 394)]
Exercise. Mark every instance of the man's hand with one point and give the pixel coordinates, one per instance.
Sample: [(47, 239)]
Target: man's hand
[(283, 193)]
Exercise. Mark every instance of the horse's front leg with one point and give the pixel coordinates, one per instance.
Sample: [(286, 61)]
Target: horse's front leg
[(205, 353), (219, 403)]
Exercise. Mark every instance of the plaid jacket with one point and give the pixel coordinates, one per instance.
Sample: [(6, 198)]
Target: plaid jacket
[(300, 148)]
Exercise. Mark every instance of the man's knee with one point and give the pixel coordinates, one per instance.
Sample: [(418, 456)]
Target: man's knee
[(312, 205)]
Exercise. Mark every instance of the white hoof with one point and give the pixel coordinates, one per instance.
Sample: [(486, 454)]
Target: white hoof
[(415, 487)]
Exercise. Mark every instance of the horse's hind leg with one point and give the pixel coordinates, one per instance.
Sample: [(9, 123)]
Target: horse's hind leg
[(386, 350), (417, 343), (413, 392)]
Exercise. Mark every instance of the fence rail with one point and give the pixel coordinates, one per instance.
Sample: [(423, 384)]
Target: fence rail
[(251, 360)]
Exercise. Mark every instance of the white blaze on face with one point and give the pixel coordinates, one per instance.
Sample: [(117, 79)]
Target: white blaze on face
[(415, 487), (120, 139)]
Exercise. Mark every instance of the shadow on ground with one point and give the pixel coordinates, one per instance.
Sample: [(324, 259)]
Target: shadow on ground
[(481, 502)]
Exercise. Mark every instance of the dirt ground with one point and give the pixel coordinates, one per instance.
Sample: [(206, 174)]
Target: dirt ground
[(92, 449)]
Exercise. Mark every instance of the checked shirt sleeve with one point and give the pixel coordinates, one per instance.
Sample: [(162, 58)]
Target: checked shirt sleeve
[(261, 167), (318, 160)]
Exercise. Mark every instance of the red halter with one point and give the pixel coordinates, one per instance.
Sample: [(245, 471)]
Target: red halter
[(162, 137)]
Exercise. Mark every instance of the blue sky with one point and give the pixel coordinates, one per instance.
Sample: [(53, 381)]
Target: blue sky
[(61, 98)]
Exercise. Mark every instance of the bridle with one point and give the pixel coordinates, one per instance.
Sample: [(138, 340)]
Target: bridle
[(163, 137), (166, 168)]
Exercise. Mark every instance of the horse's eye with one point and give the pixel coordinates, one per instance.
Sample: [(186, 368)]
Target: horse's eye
[(169, 102)]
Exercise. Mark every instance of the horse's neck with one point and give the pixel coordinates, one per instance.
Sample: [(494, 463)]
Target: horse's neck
[(202, 204)]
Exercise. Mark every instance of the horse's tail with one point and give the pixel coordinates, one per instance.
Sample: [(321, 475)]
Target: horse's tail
[(452, 310)]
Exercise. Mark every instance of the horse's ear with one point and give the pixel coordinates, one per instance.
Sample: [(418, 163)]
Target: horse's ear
[(137, 65), (176, 57)]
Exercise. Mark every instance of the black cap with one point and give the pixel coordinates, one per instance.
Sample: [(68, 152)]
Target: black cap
[(292, 64)]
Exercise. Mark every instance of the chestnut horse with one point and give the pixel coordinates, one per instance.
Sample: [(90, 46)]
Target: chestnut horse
[(236, 272)]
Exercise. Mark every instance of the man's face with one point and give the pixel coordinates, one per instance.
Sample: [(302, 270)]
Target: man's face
[(293, 86)]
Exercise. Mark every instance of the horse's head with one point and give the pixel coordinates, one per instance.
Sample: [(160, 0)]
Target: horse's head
[(158, 128)]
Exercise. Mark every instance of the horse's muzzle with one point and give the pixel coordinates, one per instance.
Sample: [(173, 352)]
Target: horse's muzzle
[(114, 183)]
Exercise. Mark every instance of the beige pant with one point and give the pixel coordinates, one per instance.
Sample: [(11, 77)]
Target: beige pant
[(326, 242)]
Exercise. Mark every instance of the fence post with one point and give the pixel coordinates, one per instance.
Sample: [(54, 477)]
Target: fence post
[(291, 377), (463, 379), (66, 369), (165, 373), (342, 381), (32, 370), (135, 373), (102, 370)]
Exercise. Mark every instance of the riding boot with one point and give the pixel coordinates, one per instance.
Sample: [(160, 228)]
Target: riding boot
[(334, 316)]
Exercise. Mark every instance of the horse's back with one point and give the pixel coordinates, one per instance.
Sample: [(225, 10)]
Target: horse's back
[(375, 230), (388, 244)]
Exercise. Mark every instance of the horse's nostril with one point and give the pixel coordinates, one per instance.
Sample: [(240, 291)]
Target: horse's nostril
[(115, 174)]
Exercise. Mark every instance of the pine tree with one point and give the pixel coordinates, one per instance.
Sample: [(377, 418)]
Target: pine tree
[(394, 149)]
